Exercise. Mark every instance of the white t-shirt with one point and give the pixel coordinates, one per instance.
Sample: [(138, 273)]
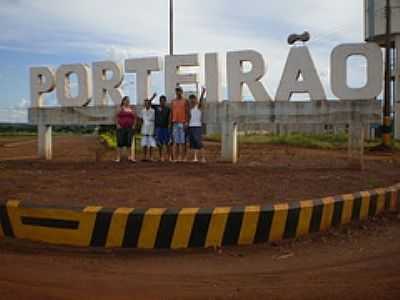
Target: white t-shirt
[(195, 117), (148, 117)]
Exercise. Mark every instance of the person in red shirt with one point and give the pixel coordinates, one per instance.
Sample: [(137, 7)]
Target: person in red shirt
[(125, 122)]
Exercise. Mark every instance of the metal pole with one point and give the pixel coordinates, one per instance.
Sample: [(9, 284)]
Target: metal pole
[(387, 100), (171, 27)]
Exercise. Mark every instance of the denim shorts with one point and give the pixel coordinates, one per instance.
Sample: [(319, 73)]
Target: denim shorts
[(196, 137), (178, 133), (163, 136)]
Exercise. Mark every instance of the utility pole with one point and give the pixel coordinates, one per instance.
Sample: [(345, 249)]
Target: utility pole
[(387, 101), (171, 27)]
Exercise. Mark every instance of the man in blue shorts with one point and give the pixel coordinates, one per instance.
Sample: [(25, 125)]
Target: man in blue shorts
[(162, 122)]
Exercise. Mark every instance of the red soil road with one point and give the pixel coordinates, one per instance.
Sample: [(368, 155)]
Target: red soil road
[(357, 262), (264, 174), (353, 263)]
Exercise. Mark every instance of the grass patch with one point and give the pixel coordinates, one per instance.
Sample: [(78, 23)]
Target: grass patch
[(318, 141), (110, 139)]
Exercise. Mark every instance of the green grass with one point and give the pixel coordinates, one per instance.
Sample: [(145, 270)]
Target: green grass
[(315, 141), (318, 141), (111, 141)]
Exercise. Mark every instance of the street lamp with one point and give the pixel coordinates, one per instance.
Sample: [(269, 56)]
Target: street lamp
[(171, 27)]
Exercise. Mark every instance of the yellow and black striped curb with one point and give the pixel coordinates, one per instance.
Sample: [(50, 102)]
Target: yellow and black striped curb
[(95, 226)]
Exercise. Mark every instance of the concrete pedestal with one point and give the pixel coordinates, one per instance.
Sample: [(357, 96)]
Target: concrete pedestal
[(45, 142), (229, 147), (355, 149)]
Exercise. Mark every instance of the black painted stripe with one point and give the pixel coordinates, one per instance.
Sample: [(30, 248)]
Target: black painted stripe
[(51, 223), (337, 211), (50, 206), (133, 227), (292, 221), (373, 204), (5, 221), (201, 223), (316, 216), (233, 226), (264, 224), (101, 227), (388, 198), (355, 215), (166, 228)]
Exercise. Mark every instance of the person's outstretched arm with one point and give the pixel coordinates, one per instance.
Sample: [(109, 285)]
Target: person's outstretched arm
[(153, 96), (201, 101)]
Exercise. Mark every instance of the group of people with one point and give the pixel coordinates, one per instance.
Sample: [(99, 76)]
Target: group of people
[(163, 126)]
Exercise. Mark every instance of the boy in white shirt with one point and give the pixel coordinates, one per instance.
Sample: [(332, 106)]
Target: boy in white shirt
[(148, 118)]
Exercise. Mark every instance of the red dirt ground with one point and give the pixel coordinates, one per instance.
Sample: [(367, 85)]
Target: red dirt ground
[(354, 262), (264, 174)]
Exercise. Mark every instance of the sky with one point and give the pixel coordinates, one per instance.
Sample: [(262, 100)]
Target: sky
[(55, 32)]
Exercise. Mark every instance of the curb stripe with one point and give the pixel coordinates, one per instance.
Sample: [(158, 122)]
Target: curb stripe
[(5, 221), (337, 211), (233, 226), (355, 215), (249, 225), (388, 198), (51, 223), (264, 224), (150, 225), (292, 221), (380, 205), (279, 222), (316, 216), (183, 228), (217, 226), (116, 232), (373, 204), (364, 205), (167, 228), (305, 217), (327, 213), (200, 227), (133, 228), (101, 227)]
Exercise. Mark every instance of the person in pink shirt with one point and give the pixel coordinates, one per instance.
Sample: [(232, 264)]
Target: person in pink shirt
[(125, 121)]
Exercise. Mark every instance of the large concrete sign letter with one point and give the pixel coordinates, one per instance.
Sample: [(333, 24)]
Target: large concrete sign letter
[(373, 55), (300, 63), (42, 81), (212, 77), (236, 76), (103, 85), (173, 63), (143, 68), (63, 86)]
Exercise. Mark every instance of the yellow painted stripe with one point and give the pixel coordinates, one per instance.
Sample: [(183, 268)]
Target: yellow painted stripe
[(183, 228), (75, 237), (365, 198), (148, 232), (249, 225), (306, 209), (380, 202), (117, 227), (279, 221), (217, 226), (348, 202), (327, 213), (92, 209)]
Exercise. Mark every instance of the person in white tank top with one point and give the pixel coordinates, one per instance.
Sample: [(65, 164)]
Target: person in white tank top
[(196, 126)]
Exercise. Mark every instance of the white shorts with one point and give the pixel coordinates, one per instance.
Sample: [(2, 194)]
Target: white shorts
[(148, 141)]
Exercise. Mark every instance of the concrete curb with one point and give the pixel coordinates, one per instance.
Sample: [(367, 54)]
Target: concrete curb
[(174, 228)]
